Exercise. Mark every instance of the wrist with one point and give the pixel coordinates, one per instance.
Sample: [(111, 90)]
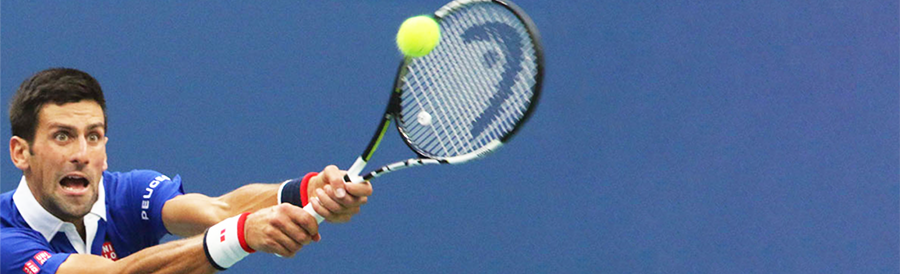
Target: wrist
[(304, 187), (296, 191), (224, 243)]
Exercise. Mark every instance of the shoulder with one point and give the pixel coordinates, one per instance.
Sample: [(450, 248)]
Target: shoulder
[(138, 176), (15, 234), (132, 192), (17, 239), (6, 200), (9, 214), (7, 195), (120, 183)]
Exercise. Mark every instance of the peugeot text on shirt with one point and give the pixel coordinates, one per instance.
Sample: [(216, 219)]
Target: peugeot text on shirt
[(145, 204)]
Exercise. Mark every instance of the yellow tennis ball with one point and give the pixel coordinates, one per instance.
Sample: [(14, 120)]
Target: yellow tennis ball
[(418, 36)]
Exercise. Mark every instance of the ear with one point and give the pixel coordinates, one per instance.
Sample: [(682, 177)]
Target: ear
[(19, 152), (105, 158)]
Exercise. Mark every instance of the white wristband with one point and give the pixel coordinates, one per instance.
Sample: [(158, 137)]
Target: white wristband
[(224, 242)]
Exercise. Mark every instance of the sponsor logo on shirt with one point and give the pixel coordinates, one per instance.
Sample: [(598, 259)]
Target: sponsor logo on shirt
[(41, 257), (109, 252), (148, 192), (31, 268)]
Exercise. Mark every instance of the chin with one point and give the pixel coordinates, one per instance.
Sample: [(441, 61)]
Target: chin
[(69, 209)]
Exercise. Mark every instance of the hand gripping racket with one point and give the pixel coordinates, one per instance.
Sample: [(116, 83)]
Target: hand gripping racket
[(468, 96)]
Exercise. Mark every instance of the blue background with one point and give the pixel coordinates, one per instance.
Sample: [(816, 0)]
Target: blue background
[(672, 137)]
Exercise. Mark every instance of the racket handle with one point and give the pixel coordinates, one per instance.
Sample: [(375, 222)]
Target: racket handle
[(309, 209), (348, 178)]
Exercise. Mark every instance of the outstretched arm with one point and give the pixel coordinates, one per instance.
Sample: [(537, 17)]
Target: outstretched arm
[(193, 213), (282, 229), (181, 256)]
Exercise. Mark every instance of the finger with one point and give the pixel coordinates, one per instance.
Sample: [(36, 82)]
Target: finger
[(327, 202), (345, 202), (348, 204), (305, 221), (358, 195), (344, 217), (290, 229), (363, 189), (286, 245), (351, 211), (339, 219), (277, 249), (335, 178), (319, 208), (350, 200), (353, 194), (272, 242)]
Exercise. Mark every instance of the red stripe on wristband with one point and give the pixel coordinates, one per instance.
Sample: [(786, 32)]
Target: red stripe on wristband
[(304, 194), (240, 233)]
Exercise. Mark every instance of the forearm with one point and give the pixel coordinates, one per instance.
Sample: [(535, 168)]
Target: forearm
[(181, 256), (251, 198), (191, 214)]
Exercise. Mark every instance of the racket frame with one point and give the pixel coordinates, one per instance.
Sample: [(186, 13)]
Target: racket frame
[(393, 109)]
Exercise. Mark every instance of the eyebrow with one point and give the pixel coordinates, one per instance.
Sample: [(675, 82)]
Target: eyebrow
[(95, 125), (71, 128)]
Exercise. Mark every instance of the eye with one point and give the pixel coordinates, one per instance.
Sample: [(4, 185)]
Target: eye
[(93, 137), (61, 136)]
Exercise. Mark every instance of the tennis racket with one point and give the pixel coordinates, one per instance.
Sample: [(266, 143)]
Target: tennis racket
[(467, 97)]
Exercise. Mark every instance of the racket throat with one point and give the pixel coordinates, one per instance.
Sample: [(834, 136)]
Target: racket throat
[(402, 165), (352, 175)]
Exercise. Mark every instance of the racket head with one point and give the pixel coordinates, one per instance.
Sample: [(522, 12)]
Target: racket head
[(476, 89)]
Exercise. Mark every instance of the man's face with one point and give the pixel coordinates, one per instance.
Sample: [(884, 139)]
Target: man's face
[(67, 158)]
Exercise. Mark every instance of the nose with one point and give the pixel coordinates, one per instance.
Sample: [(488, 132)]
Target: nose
[(80, 155)]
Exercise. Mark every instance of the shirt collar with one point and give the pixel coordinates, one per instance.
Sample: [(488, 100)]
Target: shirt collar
[(42, 221)]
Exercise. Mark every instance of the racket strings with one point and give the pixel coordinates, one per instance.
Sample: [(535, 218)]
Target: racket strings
[(447, 107), (476, 85)]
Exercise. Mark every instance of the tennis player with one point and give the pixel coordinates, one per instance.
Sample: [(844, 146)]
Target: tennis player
[(70, 215)]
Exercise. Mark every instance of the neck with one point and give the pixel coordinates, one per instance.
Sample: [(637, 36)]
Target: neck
[(79, 226)]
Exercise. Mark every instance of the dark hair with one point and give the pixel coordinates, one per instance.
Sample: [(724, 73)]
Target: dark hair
[(55, 85)]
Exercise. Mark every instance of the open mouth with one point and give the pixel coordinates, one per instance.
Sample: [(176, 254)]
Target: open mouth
[(74, 183)]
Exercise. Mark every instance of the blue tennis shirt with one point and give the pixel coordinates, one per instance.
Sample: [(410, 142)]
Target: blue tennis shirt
[(126, 218)]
